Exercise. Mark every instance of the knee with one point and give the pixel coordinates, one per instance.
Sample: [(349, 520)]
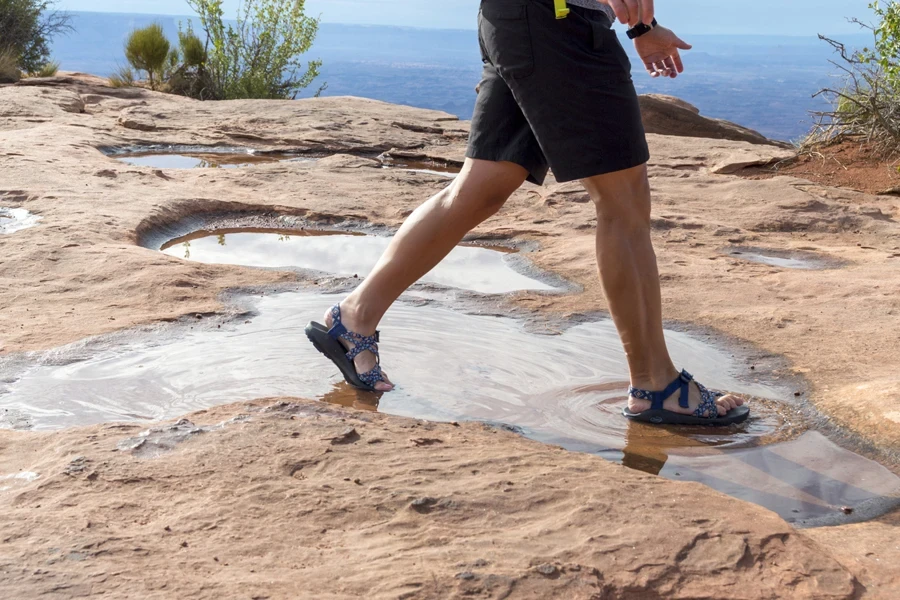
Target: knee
[(622, 200), (480, 204)]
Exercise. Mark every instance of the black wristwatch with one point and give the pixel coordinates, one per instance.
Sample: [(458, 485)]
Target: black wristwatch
[(640, 29)]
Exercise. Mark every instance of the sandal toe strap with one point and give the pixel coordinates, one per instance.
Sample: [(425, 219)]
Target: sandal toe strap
[(708, 408), (372, 377)]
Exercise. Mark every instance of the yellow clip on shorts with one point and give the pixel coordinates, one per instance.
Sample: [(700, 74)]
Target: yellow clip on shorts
[(555, 93)]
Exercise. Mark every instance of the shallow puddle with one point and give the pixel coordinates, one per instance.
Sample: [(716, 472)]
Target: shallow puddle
[(484, 270), (421, 166), (204, 159), (211, 157), (566, 389), (785, 259), (16, 219)]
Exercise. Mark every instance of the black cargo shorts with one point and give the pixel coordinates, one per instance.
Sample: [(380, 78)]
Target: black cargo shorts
[(555, 93)]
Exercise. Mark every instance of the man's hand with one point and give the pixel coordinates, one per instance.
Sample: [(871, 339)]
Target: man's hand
[(631, 12), (659, 51)]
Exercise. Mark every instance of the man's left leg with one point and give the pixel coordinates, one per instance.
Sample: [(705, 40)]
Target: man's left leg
[(630, 279)]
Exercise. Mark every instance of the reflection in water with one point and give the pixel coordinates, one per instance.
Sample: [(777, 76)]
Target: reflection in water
[(567, 389), (197, 158), (16, 219), (200, 160), (479, 269), (348, 396), (782, 259)]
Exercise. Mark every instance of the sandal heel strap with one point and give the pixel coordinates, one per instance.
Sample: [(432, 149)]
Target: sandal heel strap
[(657, 398)]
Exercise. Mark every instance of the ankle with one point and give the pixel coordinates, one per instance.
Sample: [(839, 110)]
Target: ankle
[(357, 316), (656, 380)]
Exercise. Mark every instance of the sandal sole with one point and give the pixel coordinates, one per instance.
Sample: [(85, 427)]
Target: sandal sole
[(334, 351), (667, 417)]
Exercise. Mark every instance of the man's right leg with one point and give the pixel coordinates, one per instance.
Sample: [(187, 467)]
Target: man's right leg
[(427, 236), (630, 279)]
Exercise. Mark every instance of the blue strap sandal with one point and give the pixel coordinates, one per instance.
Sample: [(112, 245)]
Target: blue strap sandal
[(327, 341), (706, 414)]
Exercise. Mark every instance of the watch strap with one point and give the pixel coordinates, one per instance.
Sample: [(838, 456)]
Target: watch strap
[(640, 29)]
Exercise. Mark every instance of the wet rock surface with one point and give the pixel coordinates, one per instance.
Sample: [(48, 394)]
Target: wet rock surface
[(82, 273), (557, 528)]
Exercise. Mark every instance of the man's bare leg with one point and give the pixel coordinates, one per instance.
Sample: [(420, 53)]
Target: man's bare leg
[(630, 281), (427, 236)]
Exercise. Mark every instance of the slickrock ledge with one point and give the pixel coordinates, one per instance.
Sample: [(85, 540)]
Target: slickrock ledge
[(246, 504), (294, 499)]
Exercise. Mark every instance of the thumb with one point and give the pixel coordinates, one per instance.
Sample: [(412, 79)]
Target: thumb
[(681, 44)]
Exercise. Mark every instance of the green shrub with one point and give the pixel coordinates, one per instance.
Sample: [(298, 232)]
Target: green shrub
[(867, 104), (193, 52), (147, 49), (26, 29), (887, 40), (48, 69), (260, 57), (190, 77), (9, 66), (123, 77)]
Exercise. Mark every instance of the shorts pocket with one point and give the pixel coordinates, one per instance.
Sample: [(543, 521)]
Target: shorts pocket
[(611, 52), (506, 38)]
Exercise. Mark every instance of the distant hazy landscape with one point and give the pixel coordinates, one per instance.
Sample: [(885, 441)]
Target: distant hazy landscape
[(762, 82)]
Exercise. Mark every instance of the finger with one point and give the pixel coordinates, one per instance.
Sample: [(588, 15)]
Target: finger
[(676, 59), (670, 67), (634, 11), (620, 9), (650, 69), (681, 44), (661, 68), (647, 11)]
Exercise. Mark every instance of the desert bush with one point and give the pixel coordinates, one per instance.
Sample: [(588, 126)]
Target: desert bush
[(9, 66), (193, 52), (123, 77), (147, 49), (866, 105), (26, 29), (190, 76), (48, 69), (260, 56)]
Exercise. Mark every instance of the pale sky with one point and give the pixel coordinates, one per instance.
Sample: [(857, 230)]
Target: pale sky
[(759, 17)]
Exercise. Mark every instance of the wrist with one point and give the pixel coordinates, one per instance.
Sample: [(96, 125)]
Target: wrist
[(640, 29)]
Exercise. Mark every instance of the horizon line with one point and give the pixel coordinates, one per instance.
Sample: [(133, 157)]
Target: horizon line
[(420, 28)]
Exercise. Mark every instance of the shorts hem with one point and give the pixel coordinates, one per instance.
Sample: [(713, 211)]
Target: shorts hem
[(587, 171), (537, 172)]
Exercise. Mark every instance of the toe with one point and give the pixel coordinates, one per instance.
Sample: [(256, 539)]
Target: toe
[(385, 385), (727, 403)]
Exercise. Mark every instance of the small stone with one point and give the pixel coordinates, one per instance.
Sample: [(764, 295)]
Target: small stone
[(423, 504), (547, 570), (347, 436), (465, 575), (426, 441), (357, 481), (847, 510), (184, 544), (752, 367), (798, 394)]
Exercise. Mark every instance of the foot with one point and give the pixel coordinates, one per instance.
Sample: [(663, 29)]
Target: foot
[(723, 403), (365, 361)]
